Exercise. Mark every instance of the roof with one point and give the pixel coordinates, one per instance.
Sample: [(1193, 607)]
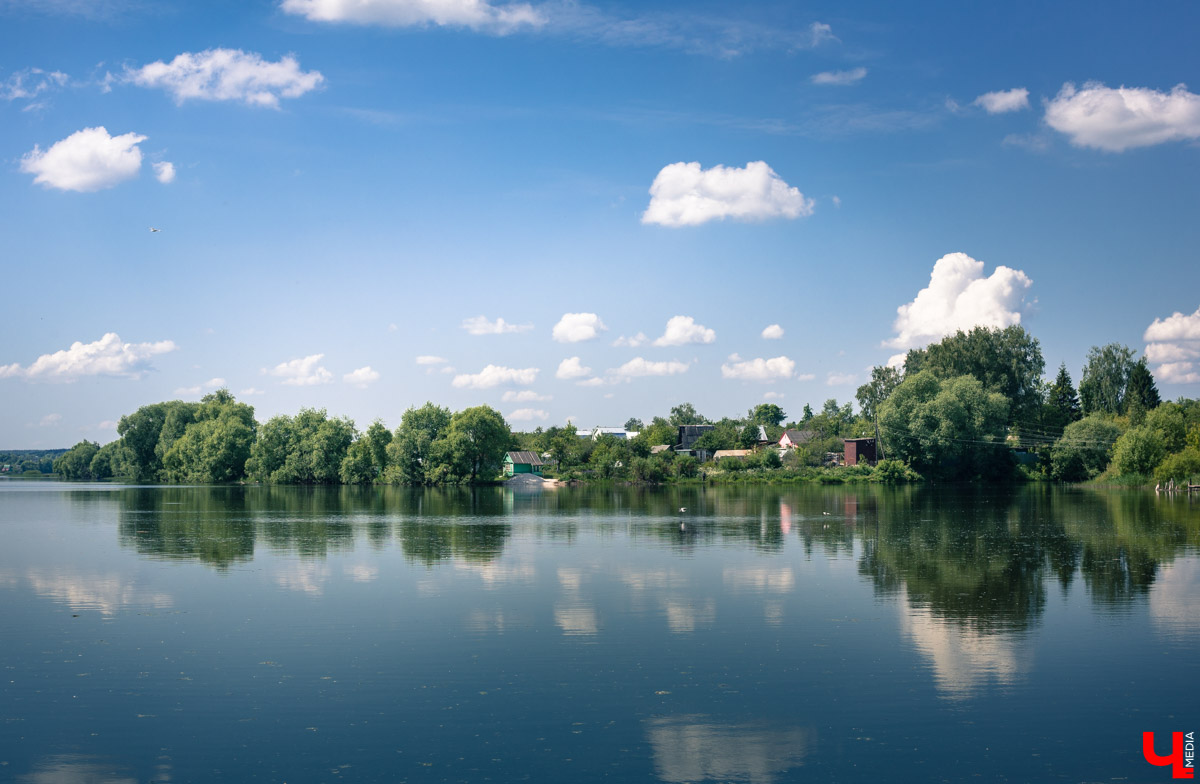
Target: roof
[(524, 457), (731, 453), (857, 440), (798, 436), (654, 450)]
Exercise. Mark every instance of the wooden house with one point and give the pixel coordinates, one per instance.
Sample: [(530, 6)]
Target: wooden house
[(794, 438), (522, 463), (860, 451)]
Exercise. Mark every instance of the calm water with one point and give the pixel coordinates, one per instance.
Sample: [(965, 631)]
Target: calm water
[(765, 635)]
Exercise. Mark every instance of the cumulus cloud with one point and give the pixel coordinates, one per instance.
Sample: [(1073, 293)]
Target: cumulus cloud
[(773, 395), (361, 378), (577, 327), (429, 359), (50, 420), (773, 332), (87, 160), (840, 379), (252, 391), (594, 381), (479, 15), (839, 78), (227, 75), (524, 396), (528, 415), (1116, 119), (684, 329), (632, 342), (570, 368), (479, 325), (640, 368), (164, 172), (1002, 101), (495, 375), (1174, 343), (683, 194), (108, 356), (759, 369), (304, 372), (212, 383), (960, 297)]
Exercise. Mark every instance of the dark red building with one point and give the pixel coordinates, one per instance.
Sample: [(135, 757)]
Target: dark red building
[(860, 450)]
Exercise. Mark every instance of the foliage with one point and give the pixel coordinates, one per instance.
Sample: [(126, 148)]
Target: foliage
[(476, 442), (1062, 403), (685, 467), (947, 428), (1139, 450), (766, 414), (633, 425), (892, 472), (1008, 361), (1182, 467), (76, 462), (871, 395), (1084, 449), (1141, 394), (1106, 372), (686, 414), (306, 449), (1168, 421), (411, 452), (215, 443)]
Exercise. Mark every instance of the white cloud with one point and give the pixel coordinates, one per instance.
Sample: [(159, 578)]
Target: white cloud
[(181, 391), (639, 368), (1115, 119), (1175, 343), (479, 15), (212, 383), (164, 172), (684, 329), (30, 83), (527, 415), (252, 391), (50, 420), (479, 325), (107, 356), (1002, 101), (683, 194), (773, 395), (632, 342), (840, 379), (305, 372), (524, 396), (227, 75), (759, 369), (959, 297), (595, 381), (570, 368), (87, 160), (839, 78), (429, 359), (495, 375), (577, 327), (773, 332), (362, 378)]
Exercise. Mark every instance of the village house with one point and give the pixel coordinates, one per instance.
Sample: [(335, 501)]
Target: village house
[(794, 438), (522, 463), (860, 451)]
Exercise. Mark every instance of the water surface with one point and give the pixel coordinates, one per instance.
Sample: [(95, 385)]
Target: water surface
[(764, 635)]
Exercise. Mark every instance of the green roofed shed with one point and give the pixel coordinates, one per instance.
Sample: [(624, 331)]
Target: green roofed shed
[(522, 463)]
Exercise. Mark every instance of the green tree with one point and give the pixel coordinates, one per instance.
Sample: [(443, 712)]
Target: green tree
[(1008, 361), (686, 414), (1105, 378), (306, 449), (1139, 450), (1084, 450), (1062, 404), (215, 445), (140, 432), (633, 425), (946, 428), (1168, 421), (1182, 467), (1141, 394), (477, 439), (411, 452), (871, 395), (766, 414), (659, 432), (76, 462)]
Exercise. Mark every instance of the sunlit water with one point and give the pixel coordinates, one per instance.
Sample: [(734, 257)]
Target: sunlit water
[(764, 635)]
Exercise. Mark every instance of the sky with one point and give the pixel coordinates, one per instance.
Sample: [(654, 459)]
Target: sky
[(577, 209)]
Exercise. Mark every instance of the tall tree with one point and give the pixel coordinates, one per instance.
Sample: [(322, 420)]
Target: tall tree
[(870, 396), (1008, 361), (686, 414), (1105, 379), (633, 425), (1062, 404), (478, 438), (766, 414), (76, 462), (411, 451), (1141, 394)]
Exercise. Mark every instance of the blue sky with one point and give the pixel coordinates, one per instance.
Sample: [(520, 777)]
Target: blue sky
[(569, 209)]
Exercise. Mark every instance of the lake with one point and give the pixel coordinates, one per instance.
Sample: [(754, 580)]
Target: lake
[(810, 633)]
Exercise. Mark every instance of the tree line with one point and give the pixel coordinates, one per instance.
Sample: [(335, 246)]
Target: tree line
[(973, 405)]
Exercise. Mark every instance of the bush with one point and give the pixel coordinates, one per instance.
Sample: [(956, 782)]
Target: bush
[(731, 464), (1182, 467), (891, 472), (1139, 451), (1084, 449)]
